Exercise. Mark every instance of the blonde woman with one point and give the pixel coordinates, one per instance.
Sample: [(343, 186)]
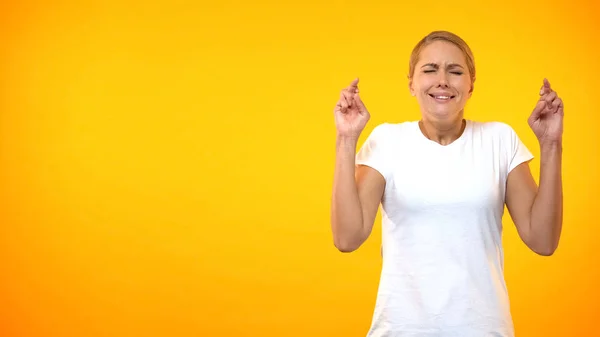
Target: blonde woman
[(442, 183)]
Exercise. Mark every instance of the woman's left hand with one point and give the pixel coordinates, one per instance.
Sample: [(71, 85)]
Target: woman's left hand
[(546, 120)]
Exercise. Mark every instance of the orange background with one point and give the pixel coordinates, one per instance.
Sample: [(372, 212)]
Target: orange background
[(166, 167)]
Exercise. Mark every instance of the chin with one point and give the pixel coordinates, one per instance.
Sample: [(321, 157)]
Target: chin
[(444, 114)]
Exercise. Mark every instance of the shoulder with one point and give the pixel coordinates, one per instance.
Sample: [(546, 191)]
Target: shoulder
[(493, 129), (390, 130), (502, 137)]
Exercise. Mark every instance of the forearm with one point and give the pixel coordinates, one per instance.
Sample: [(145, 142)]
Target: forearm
[(547, 209), (346, 210)]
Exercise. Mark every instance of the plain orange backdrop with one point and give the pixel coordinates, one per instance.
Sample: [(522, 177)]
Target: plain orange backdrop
[(166, 167)]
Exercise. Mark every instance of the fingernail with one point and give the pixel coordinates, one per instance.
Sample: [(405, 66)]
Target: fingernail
[(541, 91)]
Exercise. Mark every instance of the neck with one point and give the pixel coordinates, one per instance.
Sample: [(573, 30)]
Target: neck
[(442, 132)]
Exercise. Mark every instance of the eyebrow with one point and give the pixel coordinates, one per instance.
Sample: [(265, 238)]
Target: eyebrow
[(436, 66)]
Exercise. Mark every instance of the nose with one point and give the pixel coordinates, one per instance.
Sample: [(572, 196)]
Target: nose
[(443, 79)]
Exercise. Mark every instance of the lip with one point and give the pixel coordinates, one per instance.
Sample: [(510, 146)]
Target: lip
[(442, 100)]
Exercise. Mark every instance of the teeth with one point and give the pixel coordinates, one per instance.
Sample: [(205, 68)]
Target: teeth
[(442, 97)]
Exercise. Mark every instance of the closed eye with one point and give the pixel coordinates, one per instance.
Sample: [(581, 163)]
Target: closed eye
[(453, 72)]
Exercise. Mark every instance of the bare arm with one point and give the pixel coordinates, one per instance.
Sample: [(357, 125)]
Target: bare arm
[(357, 192), (538, 212)]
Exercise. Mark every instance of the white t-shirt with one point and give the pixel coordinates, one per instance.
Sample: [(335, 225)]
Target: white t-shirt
[(443, 262)]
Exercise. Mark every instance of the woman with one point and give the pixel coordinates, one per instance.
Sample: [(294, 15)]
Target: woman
[(442, 183)]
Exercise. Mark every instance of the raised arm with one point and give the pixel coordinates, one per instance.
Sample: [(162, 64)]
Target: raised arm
[(357, 190), (538, 212)]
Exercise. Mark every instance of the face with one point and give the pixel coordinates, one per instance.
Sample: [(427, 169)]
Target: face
[(441, 81)]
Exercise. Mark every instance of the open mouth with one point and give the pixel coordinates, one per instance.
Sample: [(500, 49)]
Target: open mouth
[(442, 98)]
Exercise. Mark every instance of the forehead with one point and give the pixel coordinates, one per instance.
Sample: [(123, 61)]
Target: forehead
[(442, 52)]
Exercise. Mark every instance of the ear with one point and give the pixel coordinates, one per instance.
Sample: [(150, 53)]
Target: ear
[(410, 86), (472, 87)]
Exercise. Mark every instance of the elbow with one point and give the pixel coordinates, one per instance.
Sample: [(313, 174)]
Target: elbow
[(544, 243), (345, 246), (545, 252), (350, 237), (548, 250)]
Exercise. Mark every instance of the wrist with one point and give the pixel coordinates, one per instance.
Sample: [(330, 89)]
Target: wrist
[(347, 139), (548, 145), (346, 143)]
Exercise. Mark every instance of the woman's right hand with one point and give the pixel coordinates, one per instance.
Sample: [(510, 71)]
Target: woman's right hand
[(351, 115)]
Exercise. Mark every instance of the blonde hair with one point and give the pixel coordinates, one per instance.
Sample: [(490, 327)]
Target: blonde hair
[(441, 35)]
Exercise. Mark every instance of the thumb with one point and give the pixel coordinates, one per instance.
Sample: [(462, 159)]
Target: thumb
[(537, 111)]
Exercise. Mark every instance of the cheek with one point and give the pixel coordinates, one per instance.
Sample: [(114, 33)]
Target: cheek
[(463, 85), (428, 82)]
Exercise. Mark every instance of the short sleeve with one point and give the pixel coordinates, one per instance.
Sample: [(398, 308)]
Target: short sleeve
[(518, 152), (373, 154)]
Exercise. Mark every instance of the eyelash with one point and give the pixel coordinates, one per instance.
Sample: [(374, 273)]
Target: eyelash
[(453, 72)]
